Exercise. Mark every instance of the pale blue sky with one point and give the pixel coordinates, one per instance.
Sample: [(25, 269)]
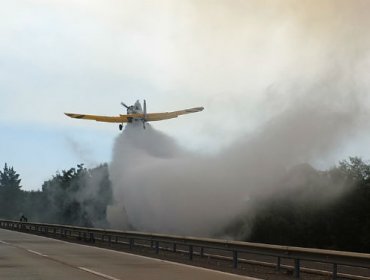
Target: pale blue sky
[(38, 151), (237, 60)]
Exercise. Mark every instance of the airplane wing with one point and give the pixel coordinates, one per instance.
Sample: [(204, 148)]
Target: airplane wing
[(113, 119), (126, 118), (170, 115)]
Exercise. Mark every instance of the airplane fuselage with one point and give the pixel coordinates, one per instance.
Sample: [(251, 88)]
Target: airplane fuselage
[(135, 109)]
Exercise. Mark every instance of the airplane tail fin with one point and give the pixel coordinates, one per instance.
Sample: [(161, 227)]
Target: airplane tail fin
[(145, 109), (145, 115)]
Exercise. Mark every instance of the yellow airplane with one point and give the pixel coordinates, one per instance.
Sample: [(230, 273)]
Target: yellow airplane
[(135, 113)]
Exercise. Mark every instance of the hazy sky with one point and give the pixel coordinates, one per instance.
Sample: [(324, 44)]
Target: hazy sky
[(242, 60)]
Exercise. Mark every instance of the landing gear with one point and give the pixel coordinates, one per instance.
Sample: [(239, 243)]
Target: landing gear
[(120, 127)]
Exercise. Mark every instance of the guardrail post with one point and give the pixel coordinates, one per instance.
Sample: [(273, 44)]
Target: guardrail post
[(335, 271), (235, 259), (201, 252), (131, 242), (157, 247), (278, 263), (297, 268), (174, 247), (92, 238), (117, 239), (190, 252)]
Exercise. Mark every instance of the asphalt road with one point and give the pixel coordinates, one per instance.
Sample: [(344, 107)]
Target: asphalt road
[(31, 257)]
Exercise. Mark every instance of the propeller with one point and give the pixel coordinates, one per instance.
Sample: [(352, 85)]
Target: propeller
[(124, 105)]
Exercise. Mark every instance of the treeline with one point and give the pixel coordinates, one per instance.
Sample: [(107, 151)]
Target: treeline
[(328, 210), (307, 208), (77, 196)]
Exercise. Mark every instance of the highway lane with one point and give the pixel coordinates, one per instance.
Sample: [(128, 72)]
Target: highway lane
[(31, 257)]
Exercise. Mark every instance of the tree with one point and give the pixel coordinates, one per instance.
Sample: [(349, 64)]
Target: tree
[(77, 196), (329, 210), (10, 193)]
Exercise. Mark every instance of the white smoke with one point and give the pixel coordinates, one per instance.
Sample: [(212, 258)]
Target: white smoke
[(306, 61), (164, 188)]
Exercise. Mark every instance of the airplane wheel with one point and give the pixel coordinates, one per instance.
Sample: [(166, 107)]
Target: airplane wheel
[(120, 127)]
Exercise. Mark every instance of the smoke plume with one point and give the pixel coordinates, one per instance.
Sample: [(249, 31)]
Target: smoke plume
[(163, 188), (315, 105)]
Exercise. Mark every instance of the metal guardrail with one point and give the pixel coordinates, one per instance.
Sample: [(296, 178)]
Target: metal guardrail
[(297, 254)]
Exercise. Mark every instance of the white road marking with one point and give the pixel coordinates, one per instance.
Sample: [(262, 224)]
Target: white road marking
[(98, 273), (37, 253), (3, 242), (31, 251), (81, 268)]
